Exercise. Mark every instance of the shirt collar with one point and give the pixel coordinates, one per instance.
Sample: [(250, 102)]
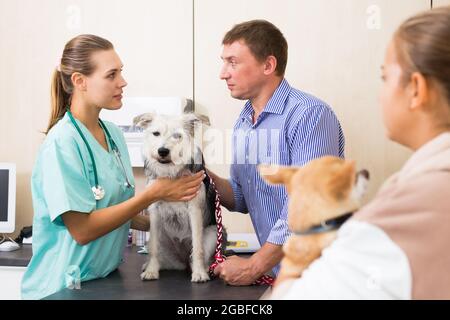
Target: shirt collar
[(276, 103)]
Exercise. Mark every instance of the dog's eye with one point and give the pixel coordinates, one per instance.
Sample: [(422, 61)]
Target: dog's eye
[(177, 136), (156, 133)]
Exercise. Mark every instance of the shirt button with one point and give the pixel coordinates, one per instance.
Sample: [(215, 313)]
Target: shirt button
[(248, 181)]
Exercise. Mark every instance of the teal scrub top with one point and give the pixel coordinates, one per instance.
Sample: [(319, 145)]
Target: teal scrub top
[(61, 181)]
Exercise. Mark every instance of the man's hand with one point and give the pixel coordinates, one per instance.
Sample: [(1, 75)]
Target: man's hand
[(237, 271)]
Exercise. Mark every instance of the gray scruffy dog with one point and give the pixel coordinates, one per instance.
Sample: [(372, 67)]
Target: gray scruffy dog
[(182, 234)]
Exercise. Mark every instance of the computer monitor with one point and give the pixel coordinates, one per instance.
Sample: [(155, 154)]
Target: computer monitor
[(7, 197)]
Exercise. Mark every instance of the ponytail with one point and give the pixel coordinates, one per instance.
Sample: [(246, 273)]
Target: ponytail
[(59, 100)]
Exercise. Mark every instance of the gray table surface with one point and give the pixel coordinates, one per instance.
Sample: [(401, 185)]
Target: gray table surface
[(125, 284), (17, 258)]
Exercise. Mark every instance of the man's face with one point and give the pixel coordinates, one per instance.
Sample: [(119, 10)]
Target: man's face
[(242, 72)]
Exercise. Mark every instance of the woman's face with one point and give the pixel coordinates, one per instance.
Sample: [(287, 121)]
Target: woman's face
[(104, 87), (394, 99)]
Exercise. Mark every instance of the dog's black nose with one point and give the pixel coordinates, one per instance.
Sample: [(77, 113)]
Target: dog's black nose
[(163, 152)]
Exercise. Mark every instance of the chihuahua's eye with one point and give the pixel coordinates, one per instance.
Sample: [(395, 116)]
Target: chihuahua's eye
[(177, 136), (156, 133)]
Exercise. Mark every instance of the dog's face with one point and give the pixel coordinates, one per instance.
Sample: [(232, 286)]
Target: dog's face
[(168, 140), (324, 188)]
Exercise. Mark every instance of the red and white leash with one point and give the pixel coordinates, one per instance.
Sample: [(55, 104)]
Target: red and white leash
[(218, 257)]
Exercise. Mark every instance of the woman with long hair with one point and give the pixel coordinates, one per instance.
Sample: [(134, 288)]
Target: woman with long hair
[(82, 182)]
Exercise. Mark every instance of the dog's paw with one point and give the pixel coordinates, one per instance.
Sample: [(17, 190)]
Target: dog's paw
[(150, 275), (200, 276), (144, 266)]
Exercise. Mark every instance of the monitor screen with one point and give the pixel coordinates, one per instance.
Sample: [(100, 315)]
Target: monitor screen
[(7, 197), (4, 184)]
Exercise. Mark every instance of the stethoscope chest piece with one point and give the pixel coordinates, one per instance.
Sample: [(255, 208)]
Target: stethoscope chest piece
[(99, 192)]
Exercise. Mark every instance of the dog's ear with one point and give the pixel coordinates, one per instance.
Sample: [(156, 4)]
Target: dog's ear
[(204, 119), (188, 105), (342, 181), (143, 120), (194, 118), (191, 119), (189, 110), (277, 174)]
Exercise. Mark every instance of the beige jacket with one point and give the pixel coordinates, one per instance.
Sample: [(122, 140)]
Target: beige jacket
[(413, 209)]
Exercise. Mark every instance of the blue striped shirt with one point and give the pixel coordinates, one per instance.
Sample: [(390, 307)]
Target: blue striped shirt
[(293, 129)]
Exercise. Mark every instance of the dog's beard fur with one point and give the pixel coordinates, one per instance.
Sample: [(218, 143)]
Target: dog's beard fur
[(173, 168), (182, 234)]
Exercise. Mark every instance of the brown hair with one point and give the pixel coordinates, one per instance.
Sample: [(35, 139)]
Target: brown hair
[(76, 57), (263, 39), (422, 44)]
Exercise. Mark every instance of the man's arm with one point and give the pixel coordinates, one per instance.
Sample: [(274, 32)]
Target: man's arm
[(223, 186), (266, 258), (317, 134)]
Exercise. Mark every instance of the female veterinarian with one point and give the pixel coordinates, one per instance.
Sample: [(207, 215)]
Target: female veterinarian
[(82, 181), (397, 246)]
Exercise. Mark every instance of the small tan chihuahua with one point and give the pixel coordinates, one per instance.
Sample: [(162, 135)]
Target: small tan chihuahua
[(323, 194)]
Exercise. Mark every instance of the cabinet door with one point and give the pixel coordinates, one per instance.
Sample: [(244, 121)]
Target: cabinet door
[(336, 49), (437, 3), (10, 278)]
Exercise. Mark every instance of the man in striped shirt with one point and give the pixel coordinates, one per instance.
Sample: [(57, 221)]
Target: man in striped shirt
[(278, 125)]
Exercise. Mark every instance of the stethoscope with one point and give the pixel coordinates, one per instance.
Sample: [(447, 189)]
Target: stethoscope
[(98, 190)]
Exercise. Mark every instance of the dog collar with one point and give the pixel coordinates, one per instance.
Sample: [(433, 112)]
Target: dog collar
[(326, 226)]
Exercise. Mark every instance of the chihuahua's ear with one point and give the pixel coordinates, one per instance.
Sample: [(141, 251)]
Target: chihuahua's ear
[(277, 174), (143, 120), (343, 180)]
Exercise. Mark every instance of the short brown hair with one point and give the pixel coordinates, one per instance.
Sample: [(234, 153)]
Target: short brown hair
[(263, 39), (422, 44)]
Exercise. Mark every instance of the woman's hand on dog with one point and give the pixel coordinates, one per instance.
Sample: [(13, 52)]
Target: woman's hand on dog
[(181, 189)]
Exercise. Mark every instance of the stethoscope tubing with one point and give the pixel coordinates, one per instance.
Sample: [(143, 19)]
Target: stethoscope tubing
[(97, 189), (91, 155)]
